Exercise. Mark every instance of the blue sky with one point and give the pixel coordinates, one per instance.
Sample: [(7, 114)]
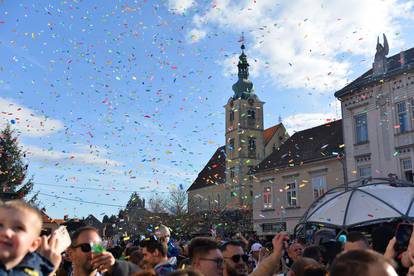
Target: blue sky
[(121, 96)]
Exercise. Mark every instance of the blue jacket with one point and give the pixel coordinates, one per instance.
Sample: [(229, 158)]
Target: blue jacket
[(32, 264)]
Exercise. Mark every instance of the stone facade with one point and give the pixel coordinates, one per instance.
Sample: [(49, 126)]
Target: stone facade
[(378, 111)]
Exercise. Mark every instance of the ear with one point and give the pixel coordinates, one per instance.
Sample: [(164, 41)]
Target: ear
[(69, 252), (35, 244)]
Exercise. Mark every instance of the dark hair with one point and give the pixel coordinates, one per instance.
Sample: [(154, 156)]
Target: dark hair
[(355, 236), (151, 245), (299, 266), (200, 247), (80, 230), (314, 270), (224, 246), (313, 252), (184, 272), (356, 263)]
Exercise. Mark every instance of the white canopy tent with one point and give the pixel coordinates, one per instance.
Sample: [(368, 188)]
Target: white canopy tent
[(369, 201)]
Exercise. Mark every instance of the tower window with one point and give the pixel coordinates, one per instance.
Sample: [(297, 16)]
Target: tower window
[(252, 147), (232, 173), (231, 144), (231, 115), (251, 114)]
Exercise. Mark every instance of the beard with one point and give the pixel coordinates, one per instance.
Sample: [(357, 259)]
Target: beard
[(87, 267), (236, 271)]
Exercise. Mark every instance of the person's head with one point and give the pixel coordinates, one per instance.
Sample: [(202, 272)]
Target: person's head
[(136, 257), (295, 251), (235, 260), (361, 263), (298, 267), (206, 257), (80, 251), (313, 252), (163, 233), (153, 251), (185, 272), (356, 241), (20, 226), (255, 250), (315, 270)]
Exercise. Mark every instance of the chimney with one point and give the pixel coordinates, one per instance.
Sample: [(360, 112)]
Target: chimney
[(402, 58)]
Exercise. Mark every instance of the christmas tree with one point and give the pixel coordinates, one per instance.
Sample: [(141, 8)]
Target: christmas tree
[(12, 167)]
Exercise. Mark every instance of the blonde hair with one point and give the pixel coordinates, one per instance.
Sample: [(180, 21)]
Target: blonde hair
[(20, 205)]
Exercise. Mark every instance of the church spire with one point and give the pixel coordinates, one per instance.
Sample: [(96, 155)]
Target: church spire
[(243, 87)]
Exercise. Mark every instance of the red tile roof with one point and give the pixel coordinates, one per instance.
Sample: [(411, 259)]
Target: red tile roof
[(270, 132)]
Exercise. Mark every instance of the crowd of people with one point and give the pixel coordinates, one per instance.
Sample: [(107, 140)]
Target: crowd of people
[(23, 251)]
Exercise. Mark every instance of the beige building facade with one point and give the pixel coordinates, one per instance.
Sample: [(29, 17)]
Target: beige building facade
[(378, 110), (293, 176)]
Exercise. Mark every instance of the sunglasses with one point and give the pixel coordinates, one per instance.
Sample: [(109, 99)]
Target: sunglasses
[(219, 262), (85, 247), (236, 258)]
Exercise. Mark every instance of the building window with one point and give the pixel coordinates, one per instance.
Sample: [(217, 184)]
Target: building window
[(251, 114), (361, 128), (231, 115), (274, 227), (291, 194), (364, 171), (267, 197), (231, 144), (319, 186), (406, 167), (402, 117), (252, 147), (218, 201), (232, 173)]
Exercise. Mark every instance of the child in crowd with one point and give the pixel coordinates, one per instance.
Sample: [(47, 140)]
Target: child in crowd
[(20, 226)]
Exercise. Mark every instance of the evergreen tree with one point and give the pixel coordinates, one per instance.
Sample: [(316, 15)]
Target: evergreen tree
[(12, 167)]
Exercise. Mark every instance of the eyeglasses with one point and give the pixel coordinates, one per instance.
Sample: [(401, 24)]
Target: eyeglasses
[(237, 258), (85, 247), (219, 262)]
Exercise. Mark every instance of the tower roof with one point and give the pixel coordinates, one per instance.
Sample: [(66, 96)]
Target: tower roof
[(243, 88)]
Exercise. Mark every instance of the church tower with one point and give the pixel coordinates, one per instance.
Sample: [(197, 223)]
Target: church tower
[(244, 137)]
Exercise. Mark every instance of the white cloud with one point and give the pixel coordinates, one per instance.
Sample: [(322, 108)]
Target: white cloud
[(302, 44), (303, 121), (26, 121), (90, 157), (195, 35), (180, 6)]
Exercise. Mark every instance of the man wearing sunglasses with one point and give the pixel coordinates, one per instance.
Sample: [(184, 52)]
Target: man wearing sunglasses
[(206, 257), (87, 263), (235, 260)]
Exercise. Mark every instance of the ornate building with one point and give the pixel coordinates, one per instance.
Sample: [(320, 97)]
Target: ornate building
[(226, 182), (378, 114)]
